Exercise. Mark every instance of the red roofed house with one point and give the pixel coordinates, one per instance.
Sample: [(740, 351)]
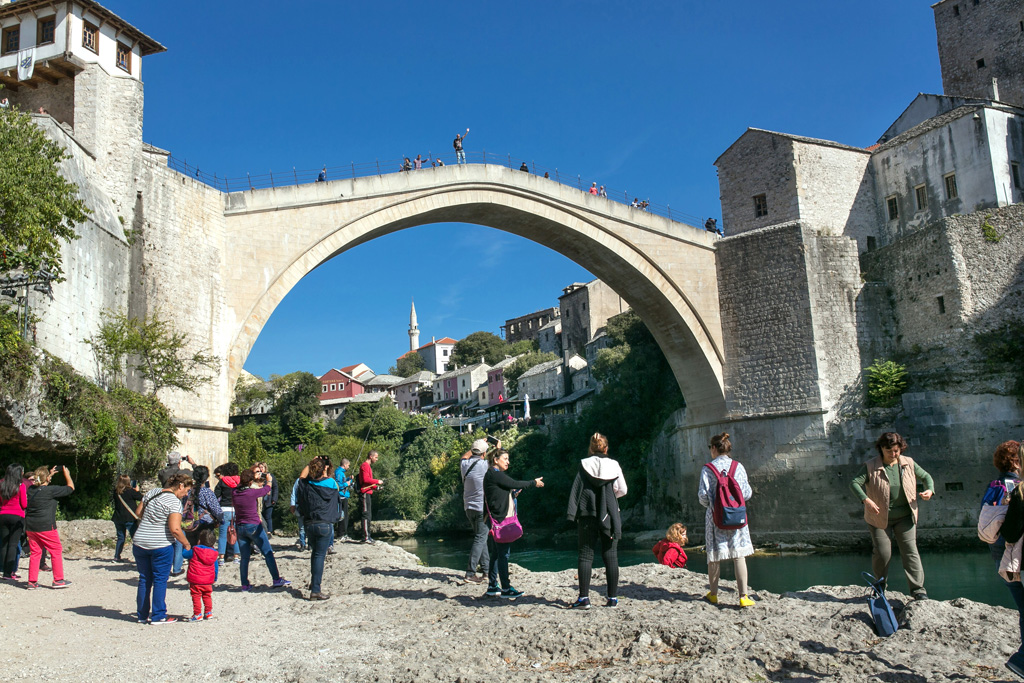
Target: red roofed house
[(436, 355), (344, 383)]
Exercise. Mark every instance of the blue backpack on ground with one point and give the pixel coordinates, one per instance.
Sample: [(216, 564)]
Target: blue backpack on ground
[(881, 610)]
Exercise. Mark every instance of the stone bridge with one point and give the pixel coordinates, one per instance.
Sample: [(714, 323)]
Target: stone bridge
[(665, 270)]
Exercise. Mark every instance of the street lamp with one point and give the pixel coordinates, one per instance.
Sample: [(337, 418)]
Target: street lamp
[(40, 281)]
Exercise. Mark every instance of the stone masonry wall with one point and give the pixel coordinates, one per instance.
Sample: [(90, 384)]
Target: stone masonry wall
[(833, 276), (58, 99), (108, 121), (770, 361), (180, 232), (836, 192), (757, 163), (988, 30), (96, 266), (981, 284)]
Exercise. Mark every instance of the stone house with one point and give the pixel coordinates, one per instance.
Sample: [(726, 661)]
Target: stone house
[(497, 389), (528, 326), (585, 308), (383, 384), (409, 391), (548, 380), (549, 338)]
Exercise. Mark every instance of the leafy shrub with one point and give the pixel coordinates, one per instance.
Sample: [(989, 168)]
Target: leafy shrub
[(887, 380)]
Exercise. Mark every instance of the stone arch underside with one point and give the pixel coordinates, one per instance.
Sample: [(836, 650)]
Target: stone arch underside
[(645, 267)]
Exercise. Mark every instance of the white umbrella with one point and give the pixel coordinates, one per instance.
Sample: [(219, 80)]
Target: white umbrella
[(526, 406)]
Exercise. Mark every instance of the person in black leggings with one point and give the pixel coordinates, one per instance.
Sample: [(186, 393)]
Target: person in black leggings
[(594, 506)]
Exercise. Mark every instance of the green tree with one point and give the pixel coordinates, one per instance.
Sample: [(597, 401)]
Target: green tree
[(153, 349), (522, 346), (249, 390), (408, 365), (514, 371), (299, 410), (38, 207), (245, 446), (478, 345)]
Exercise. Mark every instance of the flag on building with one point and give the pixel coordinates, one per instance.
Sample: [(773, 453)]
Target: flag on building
[(26, 63)]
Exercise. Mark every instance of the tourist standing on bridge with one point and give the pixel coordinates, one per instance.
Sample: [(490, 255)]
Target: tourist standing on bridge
[(724, 544), (524, 168), (473, 468), (594, 506), (888, 490), (460, 154), (418, 162), (367, 487), (322, 177), (602, 192), (593, 189)]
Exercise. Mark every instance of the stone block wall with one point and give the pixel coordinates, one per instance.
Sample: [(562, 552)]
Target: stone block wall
[(833, 278), (96, 266), (758, 163), (770, 360), (179, 232), (981, 282), (108, 121), (835, 191), (58, 99), (989, 30)]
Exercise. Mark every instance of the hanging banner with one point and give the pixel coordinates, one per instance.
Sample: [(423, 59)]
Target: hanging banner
[(26, 63)]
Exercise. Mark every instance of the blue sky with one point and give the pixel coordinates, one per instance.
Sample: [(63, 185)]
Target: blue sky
[(642, 97)]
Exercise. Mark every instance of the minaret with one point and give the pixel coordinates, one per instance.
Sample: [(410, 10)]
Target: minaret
[(414, 330)]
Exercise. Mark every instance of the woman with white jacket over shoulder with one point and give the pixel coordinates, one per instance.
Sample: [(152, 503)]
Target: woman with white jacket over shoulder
[(724, 544), (594, 506)]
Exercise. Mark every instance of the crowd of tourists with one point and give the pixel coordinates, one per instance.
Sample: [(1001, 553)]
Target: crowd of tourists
[(185, 519)]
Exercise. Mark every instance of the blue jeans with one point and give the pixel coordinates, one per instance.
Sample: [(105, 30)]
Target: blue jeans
[(222, 540), (302, 529), (320, 536), (254, 535), (460, 156), (498, 566), (124, 528), (179, 560), (154, 571)]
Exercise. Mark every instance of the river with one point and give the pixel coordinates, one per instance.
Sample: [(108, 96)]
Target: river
[(948, 575)]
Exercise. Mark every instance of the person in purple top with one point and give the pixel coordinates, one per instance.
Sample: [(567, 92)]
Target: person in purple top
[(250, 529)]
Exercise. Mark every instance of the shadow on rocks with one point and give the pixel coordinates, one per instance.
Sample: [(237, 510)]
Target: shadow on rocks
[(897, 672), (99, 612), (409, 574), (463, 600), (638, 591), (816, 596)]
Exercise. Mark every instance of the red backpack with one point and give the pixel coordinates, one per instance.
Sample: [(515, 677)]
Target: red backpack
[(729, 508)]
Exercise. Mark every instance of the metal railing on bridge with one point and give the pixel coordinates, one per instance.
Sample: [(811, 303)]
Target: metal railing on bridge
[(297, 176)]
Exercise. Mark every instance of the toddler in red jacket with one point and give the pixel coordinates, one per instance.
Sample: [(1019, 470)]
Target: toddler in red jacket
[(670, 550), (202, 573)]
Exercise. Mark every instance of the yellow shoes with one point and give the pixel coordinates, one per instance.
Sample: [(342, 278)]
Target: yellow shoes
[(712, 598), (745, 601)]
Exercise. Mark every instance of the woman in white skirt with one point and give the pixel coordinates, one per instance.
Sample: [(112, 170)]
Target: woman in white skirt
[(724, 544)]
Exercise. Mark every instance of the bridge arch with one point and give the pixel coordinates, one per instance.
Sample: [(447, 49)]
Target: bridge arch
[(664, 270)]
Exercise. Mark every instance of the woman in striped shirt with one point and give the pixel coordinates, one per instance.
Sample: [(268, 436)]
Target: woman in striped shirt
[(159, 525)]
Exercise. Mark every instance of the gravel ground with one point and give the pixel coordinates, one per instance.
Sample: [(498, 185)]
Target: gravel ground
[(391, 619)]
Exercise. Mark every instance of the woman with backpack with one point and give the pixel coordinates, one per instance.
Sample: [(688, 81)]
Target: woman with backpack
[(888, 490), (724, 544), (1007, 490), (594, 506)]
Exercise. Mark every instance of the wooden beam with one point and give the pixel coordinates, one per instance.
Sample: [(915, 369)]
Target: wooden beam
[(43, 77)]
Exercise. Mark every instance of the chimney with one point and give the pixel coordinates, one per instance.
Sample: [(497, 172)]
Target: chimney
[(994, 90)]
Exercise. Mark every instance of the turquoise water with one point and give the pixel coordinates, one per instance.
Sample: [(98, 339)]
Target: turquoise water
[(948, 575)]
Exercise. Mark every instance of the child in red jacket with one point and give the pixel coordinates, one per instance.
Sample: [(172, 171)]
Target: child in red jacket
[(670, 550), (202, 573)]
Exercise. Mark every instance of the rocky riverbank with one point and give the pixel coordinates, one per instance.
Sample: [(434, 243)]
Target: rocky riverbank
[(391, 619)]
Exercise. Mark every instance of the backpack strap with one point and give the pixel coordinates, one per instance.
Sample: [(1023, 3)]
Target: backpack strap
[(732, 468), (718, 475)]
